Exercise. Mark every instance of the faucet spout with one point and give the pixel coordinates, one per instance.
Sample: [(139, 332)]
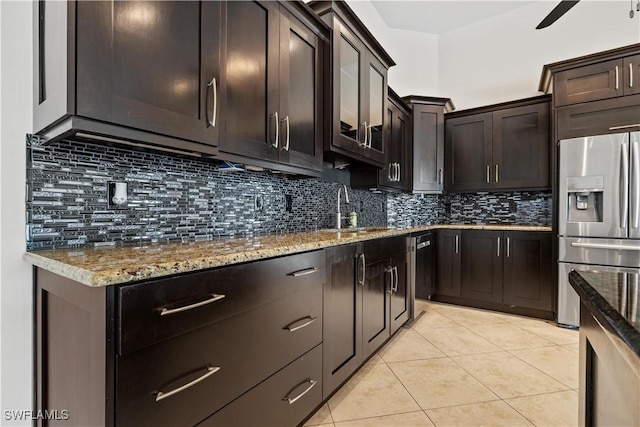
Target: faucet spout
[(346, 200)]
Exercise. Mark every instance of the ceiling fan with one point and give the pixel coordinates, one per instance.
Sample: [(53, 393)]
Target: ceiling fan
[(560, 9)]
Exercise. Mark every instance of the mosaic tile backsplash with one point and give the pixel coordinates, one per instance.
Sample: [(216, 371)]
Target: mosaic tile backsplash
[(177, 198)]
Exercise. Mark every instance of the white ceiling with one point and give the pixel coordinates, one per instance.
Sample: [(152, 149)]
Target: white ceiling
[(440, 16)]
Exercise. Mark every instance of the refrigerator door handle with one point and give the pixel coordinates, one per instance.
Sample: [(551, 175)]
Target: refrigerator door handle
[(604, 246), (624, 184), (634, 195)]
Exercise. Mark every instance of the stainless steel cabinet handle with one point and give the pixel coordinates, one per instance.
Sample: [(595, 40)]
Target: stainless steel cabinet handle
[(366, 134), (305, 272), (508, 254), (391, 277), (389, 171), (275, 144), (300, 323), (312, 384), (370, 139), (286, 144), (497, 176), (604, 246), (624, 185), (498, 253), (210, 370), (488, 174), (617, 85), (363, 277), (213, 84), (395, 271), (635, 125), (440, 176), (630, 75), (635, 184), (457, 244), (398, 179), (167, 311)]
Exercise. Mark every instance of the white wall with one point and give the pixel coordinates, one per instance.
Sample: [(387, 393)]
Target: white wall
[(416, 54), (483, 63), (16, 307)]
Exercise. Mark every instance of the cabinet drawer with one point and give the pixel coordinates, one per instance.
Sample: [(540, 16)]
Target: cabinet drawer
[(246, 348), (155, 311), (285, 399), (385, 247)]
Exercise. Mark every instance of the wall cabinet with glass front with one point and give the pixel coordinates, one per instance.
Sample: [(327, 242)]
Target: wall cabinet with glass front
[(359, 89)]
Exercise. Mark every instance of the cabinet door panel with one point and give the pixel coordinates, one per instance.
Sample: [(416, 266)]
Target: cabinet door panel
[(249, 82), (146, 65), (482, 254), (527, 270), (588, 83), (448, 262), (375, 302), (400, 298), (469, 153), (521, 145), (342, 330), (300, 94), (428, 148)]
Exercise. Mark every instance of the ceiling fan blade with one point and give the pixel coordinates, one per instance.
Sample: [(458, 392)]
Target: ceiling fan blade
[(562, 8)]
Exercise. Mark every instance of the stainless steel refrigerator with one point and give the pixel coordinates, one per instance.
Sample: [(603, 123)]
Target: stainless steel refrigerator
[(599, 212)]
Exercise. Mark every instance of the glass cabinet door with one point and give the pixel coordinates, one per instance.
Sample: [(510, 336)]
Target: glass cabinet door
[(349, 89)]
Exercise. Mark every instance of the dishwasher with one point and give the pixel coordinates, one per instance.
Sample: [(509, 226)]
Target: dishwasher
[(424, 271)]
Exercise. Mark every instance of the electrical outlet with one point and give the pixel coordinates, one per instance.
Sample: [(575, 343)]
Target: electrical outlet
[(288, 200), (259, 202), (117, 195)]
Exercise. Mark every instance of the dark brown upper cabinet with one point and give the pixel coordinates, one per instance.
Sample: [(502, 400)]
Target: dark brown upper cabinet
[(271, 87), (241, 77), (359, 86), (427, 142), (595, 94), (501, 147), (602, 80), (138, 71)]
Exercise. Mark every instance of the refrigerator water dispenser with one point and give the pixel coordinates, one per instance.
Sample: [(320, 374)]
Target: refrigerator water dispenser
[(584, 202)]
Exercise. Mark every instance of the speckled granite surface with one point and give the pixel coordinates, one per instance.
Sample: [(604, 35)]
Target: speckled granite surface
[(613, 300), (129, 263)]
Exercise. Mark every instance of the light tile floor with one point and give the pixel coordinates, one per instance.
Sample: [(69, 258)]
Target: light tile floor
[(458, 366)]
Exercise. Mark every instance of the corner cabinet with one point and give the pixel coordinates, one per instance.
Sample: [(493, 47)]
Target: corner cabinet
[(271, 85), (359, 86), (499, 270), (498, 148)]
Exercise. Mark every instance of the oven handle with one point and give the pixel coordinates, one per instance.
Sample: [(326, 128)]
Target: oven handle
[(604, 246)]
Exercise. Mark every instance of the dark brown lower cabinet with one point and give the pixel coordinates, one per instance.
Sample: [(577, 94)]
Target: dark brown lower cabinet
[(366, 299), (501, 270), (214, 335)]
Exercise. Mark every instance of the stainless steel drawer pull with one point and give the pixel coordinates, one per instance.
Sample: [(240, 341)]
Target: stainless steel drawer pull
[(364, 274), (457, 244), (210, 371), (391, 279), (286, 145), (630, 75), (498, 245), (423, 244), (636, 125), (300, 323), (395, 271), (604, 246), (312, 384), (617, 85), (167, 311), (305, 272), (497, 175), (488, 174), (275, 115), (508, 247)]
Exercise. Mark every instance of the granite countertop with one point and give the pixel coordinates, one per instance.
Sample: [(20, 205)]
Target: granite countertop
[(614, 301), (112, 265)]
